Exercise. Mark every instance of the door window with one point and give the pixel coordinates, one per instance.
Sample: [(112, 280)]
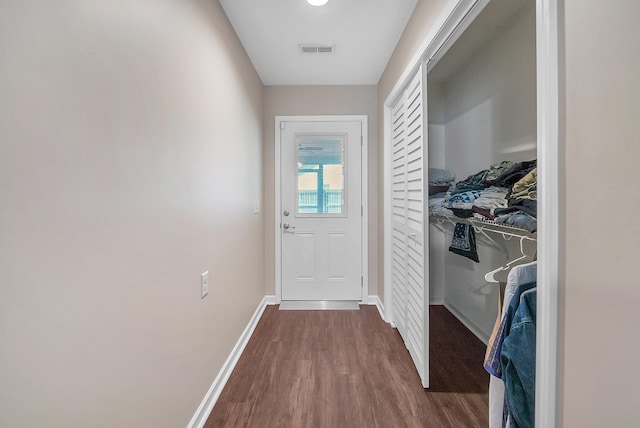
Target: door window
[(320, 185)]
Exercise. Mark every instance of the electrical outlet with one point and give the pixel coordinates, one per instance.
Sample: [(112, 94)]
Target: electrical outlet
[(204, 285)]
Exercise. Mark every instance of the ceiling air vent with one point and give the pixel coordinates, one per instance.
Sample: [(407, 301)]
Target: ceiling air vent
[(317, 49)]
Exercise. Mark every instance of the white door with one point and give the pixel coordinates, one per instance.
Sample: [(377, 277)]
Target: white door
[(321, 210), (409, 254)]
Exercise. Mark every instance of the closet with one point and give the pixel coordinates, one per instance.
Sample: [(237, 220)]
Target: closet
[(481, 111), (478, 98)]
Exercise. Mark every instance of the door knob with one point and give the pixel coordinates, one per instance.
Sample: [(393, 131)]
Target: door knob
[(287, 226)]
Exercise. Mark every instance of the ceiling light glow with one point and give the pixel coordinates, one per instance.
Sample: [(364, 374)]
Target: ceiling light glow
[(317, 2)]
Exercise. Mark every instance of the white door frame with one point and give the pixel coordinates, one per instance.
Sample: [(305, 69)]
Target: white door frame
[(456, 17), (363, 119)]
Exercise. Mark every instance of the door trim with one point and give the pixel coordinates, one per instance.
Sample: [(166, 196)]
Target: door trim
[(455, 18), (363, 119)]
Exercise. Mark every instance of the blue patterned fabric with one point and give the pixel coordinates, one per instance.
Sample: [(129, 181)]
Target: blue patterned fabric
[(464, 241)]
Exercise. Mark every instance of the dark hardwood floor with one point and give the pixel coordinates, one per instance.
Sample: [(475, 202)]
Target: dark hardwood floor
[(350, 369)]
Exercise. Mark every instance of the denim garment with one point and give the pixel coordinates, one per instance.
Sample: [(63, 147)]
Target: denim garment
[(519, 275), (493, 363), (519, 363), (518, 219)]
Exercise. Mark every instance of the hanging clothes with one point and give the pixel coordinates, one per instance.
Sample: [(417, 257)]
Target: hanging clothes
[(493, 364), (519, 275), (496, 325), (518, 359)]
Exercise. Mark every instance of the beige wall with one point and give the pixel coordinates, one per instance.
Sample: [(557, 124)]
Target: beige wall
[(422, 20), (130, 161), (318, 100), (600, 341)]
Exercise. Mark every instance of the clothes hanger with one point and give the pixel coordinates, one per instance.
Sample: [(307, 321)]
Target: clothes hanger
[(490, 276)]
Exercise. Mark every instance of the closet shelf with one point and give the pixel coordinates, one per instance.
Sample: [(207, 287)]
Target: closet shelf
[(486, 226)]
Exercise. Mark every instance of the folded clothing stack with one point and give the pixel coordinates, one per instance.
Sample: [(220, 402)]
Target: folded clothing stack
[(522, 204), (506, 192), (440, 180)]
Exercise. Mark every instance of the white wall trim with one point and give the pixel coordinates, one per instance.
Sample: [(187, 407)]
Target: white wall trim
[(548, 105), (206, 406), (455, 18), (375, 300), (477, 332), (364, 198), (270, 300), (387, 214), (277, 205), (436, 300), (364, 262)]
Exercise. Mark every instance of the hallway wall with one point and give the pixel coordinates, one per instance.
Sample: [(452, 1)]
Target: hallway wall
[(599, 344), (422, 20), (130, 163), (318, 100)]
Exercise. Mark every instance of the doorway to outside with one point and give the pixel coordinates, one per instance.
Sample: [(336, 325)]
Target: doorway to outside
[(321, 219)]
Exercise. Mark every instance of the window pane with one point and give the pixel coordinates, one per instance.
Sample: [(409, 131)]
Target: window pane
[(320, 183)]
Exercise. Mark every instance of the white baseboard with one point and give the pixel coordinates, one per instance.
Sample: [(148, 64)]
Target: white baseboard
[(204, 410), (375, 300), (436, 300), (467, 323)]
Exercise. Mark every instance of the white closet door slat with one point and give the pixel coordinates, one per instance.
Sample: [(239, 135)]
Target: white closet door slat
[(399, 279), (399, 215)]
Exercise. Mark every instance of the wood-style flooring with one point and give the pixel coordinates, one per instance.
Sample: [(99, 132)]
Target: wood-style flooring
[(351, 369)]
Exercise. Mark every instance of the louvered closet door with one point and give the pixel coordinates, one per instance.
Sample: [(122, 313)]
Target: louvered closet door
[(399, 216), (409, 257)]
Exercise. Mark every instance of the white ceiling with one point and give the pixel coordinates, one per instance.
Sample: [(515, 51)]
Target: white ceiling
[(364, 33)]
